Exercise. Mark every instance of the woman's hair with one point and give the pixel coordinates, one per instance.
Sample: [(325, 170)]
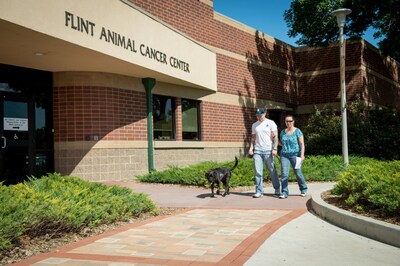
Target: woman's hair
[(286, 116)]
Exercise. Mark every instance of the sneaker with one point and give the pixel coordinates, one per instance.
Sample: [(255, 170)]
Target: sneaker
[(277, 194), (257, 195), (303, 194), (282, 196)]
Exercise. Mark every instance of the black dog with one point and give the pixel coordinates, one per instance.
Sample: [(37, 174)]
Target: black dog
[(218, 175)]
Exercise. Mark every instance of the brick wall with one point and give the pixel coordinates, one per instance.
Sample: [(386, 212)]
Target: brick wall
[(281, 79), (224, 123), (238, 77), (325, 88), (196, 19), (374, 61), (379, 91), (186, 15), (249, 66), (268, 71), (380, 80), (109, 113)]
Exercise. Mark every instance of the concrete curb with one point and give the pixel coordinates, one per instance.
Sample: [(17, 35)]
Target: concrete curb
[(368, 227)]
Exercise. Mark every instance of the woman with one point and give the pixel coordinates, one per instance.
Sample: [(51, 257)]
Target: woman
[(293, 147)]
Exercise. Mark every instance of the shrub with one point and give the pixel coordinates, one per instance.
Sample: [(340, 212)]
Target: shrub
[(322, 133), (55, 204), (384, 134), (13, 217), (193, 175), (182, 176), (316, 168), (373, 185)]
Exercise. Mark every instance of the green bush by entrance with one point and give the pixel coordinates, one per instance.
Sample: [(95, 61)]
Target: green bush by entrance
[(55, 204), (371, 185)]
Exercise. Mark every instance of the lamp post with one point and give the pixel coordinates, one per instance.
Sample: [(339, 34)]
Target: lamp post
[(340, 15), (148, 84)]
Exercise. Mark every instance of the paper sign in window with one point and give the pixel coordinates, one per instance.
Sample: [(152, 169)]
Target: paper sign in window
[(16, 124)]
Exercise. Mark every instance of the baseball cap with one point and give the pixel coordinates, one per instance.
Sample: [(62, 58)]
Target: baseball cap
[(260, 111)]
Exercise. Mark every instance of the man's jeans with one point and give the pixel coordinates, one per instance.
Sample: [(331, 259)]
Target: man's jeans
[(286, 161), (261, 158)]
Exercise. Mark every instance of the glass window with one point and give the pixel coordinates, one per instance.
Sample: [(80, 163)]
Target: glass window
[(163, 117), (190, 119), (43, 134)]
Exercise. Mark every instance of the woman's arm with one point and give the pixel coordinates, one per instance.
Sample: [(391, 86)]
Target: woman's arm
[(302, 147)]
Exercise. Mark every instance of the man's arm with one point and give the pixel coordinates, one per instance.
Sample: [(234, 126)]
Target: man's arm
[(275, 142), (252, 143)]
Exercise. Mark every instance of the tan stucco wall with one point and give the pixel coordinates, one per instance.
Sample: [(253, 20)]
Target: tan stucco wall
[(63, 20)]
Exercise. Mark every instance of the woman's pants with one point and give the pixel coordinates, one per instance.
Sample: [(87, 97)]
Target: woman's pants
[(286, 162)]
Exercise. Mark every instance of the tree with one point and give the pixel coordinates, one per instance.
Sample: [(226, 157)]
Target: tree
[(312, 20), (372, 132), (322, 132)]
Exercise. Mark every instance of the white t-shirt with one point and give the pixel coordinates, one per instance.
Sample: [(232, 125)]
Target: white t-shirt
[(263, 131)]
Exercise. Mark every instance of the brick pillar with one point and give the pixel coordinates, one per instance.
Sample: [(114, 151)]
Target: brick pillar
[(178, 118)]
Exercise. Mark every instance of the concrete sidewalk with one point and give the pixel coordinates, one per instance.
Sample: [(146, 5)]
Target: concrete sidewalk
[(232, 230)]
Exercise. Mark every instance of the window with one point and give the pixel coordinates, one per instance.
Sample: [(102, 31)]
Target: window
[(190, 120), (163, 117)]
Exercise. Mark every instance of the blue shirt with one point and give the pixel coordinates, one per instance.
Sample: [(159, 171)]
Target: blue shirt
[(290, 143)]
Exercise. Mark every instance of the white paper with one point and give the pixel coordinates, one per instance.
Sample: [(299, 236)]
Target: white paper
[(298, 163)]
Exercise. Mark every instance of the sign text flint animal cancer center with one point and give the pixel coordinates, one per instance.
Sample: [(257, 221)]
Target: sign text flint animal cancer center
[(85, 26)]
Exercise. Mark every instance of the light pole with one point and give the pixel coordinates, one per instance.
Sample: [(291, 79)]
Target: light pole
[(340, 15)]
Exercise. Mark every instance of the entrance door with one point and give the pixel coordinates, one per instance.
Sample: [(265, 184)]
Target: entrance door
[(17, 138)]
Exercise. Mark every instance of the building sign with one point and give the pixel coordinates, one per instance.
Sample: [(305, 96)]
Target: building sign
[(89, 27), (132, 41), (16, 124)]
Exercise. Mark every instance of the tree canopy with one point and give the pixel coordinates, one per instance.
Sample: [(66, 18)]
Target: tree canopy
[(312, 20)]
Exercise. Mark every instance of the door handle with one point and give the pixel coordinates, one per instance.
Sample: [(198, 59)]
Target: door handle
[(5, 142)]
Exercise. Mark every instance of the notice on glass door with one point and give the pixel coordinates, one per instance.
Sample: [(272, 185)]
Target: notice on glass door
[(16, 124)]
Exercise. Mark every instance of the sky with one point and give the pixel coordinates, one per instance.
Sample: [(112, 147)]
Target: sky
[(265, 16)]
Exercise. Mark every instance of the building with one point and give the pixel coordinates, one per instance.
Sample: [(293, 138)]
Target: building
[(81, 80)]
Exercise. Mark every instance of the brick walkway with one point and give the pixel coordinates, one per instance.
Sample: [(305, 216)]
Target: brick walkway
[(189, 237), (232, 230), (209, 231)]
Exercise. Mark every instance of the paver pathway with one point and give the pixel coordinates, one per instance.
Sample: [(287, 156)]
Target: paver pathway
[(232, 230)]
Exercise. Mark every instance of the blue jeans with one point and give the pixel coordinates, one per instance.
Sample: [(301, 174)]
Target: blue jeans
[(286, 161), (261, 158)]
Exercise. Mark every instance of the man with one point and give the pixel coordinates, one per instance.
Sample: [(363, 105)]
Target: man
[(263, 147)]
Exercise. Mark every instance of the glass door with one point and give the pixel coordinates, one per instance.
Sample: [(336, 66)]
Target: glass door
[(17, 139)]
